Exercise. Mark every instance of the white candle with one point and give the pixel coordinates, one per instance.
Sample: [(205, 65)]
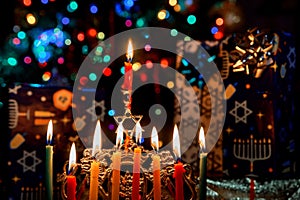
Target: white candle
[(202, 165), (156, 166)]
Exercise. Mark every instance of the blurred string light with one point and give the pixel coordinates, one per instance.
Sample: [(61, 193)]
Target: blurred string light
[(31, 19), (48, 43), (191, 19), (163, 14), (27, 2), (93, 9), (72, 6), (46, 76)]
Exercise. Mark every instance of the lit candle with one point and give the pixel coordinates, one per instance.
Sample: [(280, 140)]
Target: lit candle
[(156, 165), (49, 162), (135, 195), (178, 167), (71, 179), (116, 164), (202, 165), (127, 84), (94, 173)]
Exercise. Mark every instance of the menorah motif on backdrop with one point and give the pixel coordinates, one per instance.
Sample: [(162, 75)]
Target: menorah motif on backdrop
[(252, 149)]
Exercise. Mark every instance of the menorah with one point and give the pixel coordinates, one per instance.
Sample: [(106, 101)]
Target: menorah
[(252, 149), (82, 169)]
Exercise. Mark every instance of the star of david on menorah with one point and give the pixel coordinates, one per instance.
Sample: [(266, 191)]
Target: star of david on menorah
[(130, 171)]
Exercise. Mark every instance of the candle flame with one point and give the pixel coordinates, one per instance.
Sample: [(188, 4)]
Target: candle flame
[(49, 132), (72, 157), (97, 143), (202, 139), (129, 54), (119, 131), (154, 139), (176, 142), (138, 133)]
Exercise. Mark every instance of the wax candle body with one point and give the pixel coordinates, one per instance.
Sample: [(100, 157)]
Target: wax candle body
[(128, 76), (156, 177), (71, 187), (94, 180), (49, 172), (202, 184), (178, 175), (252, 190), (116, 164), (136, 174)]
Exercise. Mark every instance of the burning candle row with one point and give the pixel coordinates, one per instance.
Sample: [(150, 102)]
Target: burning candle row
[(116, 166)]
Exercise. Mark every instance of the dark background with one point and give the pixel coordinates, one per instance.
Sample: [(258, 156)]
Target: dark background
[(276, 15)]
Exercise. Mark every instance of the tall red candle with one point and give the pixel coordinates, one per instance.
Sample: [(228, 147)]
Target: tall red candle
[(127, 84), (71, 179), (178, 167)]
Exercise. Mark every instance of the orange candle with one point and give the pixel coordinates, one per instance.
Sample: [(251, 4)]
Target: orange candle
[(156, 166), (94, 180), (71, 179), (136, 174), (94, 173), (116, 164), (178, 167)]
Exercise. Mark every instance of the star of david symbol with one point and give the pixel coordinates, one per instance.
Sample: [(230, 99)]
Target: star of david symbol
[(91, 110), (234, 112), (26, 165), (291, 57), (128, 121)]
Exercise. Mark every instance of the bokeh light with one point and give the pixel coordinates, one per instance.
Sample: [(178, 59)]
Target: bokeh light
[(149, 64), (80, 37), (27, 60), (100, 35), (93, 9), (12, 61), (164, 63), (172, 2), (31, 19), (219, 21), (107, 71), (128, 23), (136, 66), (27, 2), (140, 22), (92, 76), (191, 19), (147, 47), (143, 77)]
